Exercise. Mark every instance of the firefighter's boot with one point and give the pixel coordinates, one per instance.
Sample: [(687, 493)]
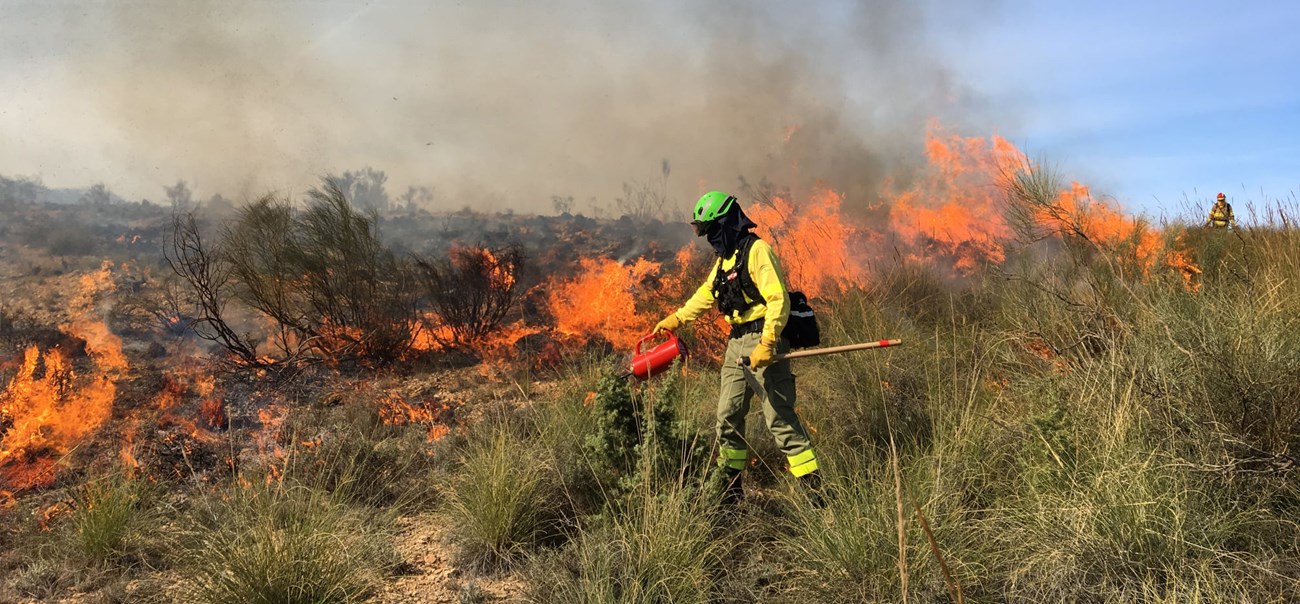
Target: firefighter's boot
[(817, 492), (733, 491)]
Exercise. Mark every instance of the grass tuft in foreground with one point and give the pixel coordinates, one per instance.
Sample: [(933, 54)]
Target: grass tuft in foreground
[(504, 500), (661, 549), (273, 543)]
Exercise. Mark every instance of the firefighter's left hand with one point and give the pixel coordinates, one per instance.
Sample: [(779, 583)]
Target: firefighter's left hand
[(762, 355)]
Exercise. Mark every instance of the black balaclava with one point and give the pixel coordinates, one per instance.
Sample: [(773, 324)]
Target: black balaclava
[(731, 230)]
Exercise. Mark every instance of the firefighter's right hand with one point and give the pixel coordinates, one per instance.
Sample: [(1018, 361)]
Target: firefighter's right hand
[(762, 355), (670, 323)]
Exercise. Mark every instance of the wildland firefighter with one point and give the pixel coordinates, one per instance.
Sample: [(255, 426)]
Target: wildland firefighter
[(750, 289), (1221, 214)]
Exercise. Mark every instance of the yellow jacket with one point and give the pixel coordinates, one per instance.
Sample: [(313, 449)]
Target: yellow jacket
[(765, 271), (1221, 215)]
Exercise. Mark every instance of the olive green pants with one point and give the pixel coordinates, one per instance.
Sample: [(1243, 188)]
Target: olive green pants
[(777, 383)]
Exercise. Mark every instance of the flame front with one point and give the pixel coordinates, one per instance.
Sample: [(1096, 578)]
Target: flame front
[(953, 208), (1077, 213), (47, 408), (602, 300), (813, 240)]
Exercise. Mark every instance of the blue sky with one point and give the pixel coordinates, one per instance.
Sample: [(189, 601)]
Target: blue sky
[(500, 103), (1151, 102)]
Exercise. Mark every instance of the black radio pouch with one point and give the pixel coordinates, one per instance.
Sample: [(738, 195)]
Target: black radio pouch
[(801, 328)]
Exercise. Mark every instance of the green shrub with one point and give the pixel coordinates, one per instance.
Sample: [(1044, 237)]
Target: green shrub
[(639, 434), (611, 445), (320, 274)]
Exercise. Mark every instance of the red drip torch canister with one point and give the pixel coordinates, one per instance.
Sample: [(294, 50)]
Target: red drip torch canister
[(658, 359)]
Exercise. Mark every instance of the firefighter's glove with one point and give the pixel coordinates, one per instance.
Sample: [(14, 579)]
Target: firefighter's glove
[(762, 355), (670, 323)]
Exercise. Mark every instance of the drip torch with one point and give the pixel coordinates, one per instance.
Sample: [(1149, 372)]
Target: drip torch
[(649, 363)]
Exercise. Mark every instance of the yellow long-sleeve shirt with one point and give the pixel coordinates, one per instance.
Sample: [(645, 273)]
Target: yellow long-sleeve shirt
[(1221, 215), (766, 273)]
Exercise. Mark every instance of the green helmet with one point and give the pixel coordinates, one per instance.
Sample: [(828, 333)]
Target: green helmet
[(712, 206)]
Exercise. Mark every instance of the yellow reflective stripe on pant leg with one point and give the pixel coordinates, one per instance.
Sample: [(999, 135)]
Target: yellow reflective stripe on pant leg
[(802, 463), (735, 459)]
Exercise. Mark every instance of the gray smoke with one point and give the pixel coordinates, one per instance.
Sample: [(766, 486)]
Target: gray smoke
[(494, 104)]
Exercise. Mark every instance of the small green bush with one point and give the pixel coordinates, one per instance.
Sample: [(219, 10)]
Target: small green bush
[(642, 435)]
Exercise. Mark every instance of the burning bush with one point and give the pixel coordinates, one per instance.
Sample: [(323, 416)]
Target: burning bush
[(321, 275), (472, 291)]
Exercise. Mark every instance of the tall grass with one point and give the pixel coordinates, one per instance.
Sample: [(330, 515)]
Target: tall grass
[(354, 454), (1071, 433), (1080, 426)]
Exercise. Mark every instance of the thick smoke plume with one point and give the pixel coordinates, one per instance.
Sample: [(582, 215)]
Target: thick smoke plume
[(494, 104)]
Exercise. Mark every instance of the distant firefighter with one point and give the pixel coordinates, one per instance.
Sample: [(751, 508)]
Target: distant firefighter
[(1221, 214)]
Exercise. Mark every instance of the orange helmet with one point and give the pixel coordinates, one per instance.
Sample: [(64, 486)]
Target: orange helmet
[(1222, 197)]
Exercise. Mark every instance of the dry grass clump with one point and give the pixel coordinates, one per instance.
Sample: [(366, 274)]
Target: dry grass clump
[(351, 452), (504, 500), (110, 518), (662, 548), (103, 537), (273, 542)]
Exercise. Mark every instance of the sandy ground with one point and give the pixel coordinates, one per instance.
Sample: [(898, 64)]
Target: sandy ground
[(430, 575)]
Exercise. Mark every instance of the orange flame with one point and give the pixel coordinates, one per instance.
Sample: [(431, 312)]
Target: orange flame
[(268, 437), (813, 243), (602, 300), (49, 409), (1077, 213), (127, 453), (952, 210), (1181, 261), (395, 411), (52, 512)]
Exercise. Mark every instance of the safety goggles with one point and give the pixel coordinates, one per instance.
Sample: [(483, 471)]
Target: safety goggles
[(703, 228)]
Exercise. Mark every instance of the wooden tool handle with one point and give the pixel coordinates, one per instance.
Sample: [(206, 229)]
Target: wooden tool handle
[(816, 352)]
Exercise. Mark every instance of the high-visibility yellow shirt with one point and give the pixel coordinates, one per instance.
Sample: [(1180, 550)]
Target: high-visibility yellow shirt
[(765, 271), (1221, 214)]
